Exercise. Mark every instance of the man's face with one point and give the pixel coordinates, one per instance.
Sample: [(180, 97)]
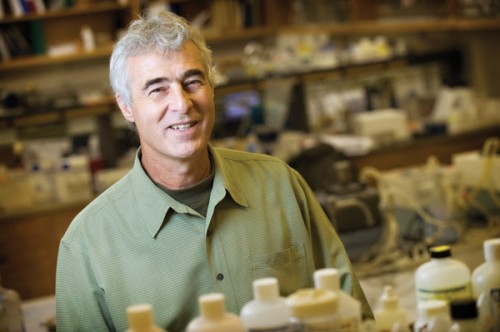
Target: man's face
[(172, 103)]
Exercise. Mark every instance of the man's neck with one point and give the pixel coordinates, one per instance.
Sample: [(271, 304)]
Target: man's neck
[(178, 174)]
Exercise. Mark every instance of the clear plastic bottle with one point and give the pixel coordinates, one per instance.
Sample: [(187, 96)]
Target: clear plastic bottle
[(464, 313), (214, 317), (314, 310), (11, 314), (390, 317), (486, 285), (443, 277), (140, 319), (268, 310), (349, 308), (433, 316)]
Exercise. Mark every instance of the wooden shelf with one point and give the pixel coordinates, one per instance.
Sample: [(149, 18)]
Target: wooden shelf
[(348, 70), (103, 106), (47, 60), (66, 12), (216, 36), (416, 151), (395, 27)]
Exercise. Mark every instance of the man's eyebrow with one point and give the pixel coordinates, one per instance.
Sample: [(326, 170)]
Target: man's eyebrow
[(194, 72), (153, 82), (187, 74)]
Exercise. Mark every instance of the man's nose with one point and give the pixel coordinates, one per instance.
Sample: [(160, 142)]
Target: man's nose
[(180, 99)]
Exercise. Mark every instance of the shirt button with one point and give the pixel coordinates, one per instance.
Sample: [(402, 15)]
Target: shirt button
[(219, 276)]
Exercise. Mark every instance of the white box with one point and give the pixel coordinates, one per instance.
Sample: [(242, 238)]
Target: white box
[(383, 126)]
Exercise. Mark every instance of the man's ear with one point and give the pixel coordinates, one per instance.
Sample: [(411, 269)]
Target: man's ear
[(124, 108)]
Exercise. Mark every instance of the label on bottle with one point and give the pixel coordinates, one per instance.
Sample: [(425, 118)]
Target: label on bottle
[(321, 328), (447, 294), (314, 327), (350, 324), (274, 329)]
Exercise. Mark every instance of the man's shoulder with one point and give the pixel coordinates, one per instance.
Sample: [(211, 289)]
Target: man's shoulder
[(240, 155), (114, 199), (237, 162)]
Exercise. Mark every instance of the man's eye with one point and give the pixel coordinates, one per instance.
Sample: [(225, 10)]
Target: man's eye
[(156, 90), (193, 83)]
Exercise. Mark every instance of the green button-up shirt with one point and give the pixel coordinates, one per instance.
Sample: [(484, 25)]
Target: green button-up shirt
[(135, 244)]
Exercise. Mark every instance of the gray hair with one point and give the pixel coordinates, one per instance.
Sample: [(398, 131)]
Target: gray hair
[(162, 32)]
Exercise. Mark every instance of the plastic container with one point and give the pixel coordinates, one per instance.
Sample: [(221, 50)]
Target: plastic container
[(390, 317), (214, 317), (433, 316), (140, 319), (314, 310), (11, 314), (464, 313), (442, 278), (349, 311), (486, 285), (268, 311)]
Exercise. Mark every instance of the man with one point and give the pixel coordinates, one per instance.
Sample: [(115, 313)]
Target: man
[(188, 219)]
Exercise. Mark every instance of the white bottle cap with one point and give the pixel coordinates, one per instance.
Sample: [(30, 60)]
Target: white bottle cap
[(430, 308), (212, 305), (389, 299), (311, 302), (328, 278), (492, 249), (266, 289), (140, 316)]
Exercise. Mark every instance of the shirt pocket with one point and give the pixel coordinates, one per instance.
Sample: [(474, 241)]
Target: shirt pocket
[(289, 266)]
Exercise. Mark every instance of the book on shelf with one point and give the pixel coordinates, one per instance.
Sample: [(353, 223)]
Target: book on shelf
[(16, 8), (35, 6), (4, 49), (225, 14), (16, 42), (37, 37)]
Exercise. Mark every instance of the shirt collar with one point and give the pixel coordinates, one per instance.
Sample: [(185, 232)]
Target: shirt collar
[(153, 203), (225, 180)]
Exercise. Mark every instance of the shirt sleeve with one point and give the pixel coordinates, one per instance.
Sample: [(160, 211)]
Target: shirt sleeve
[(80, 303), (328, 249)]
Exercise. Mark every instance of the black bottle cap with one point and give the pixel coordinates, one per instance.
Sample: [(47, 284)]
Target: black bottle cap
[(463, 308), (440, 252)]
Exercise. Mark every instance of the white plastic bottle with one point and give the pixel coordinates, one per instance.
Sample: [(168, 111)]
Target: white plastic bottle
[(140, 319), (349, 308), (213, 317), (268, 310), (433, 316), (390, 317), (442, 278), (486, 285), (314, 310)]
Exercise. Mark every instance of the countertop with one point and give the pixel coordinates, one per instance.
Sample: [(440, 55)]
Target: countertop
[(468, 250)]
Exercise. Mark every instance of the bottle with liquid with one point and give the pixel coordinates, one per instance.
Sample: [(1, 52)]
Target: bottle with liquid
[(314, 309), (433, 316), (11, 314), (465, 315), (268, 311), (214, 317), (486, 285), (349, 308), (390, 317), (140, 319), (442, 278)]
